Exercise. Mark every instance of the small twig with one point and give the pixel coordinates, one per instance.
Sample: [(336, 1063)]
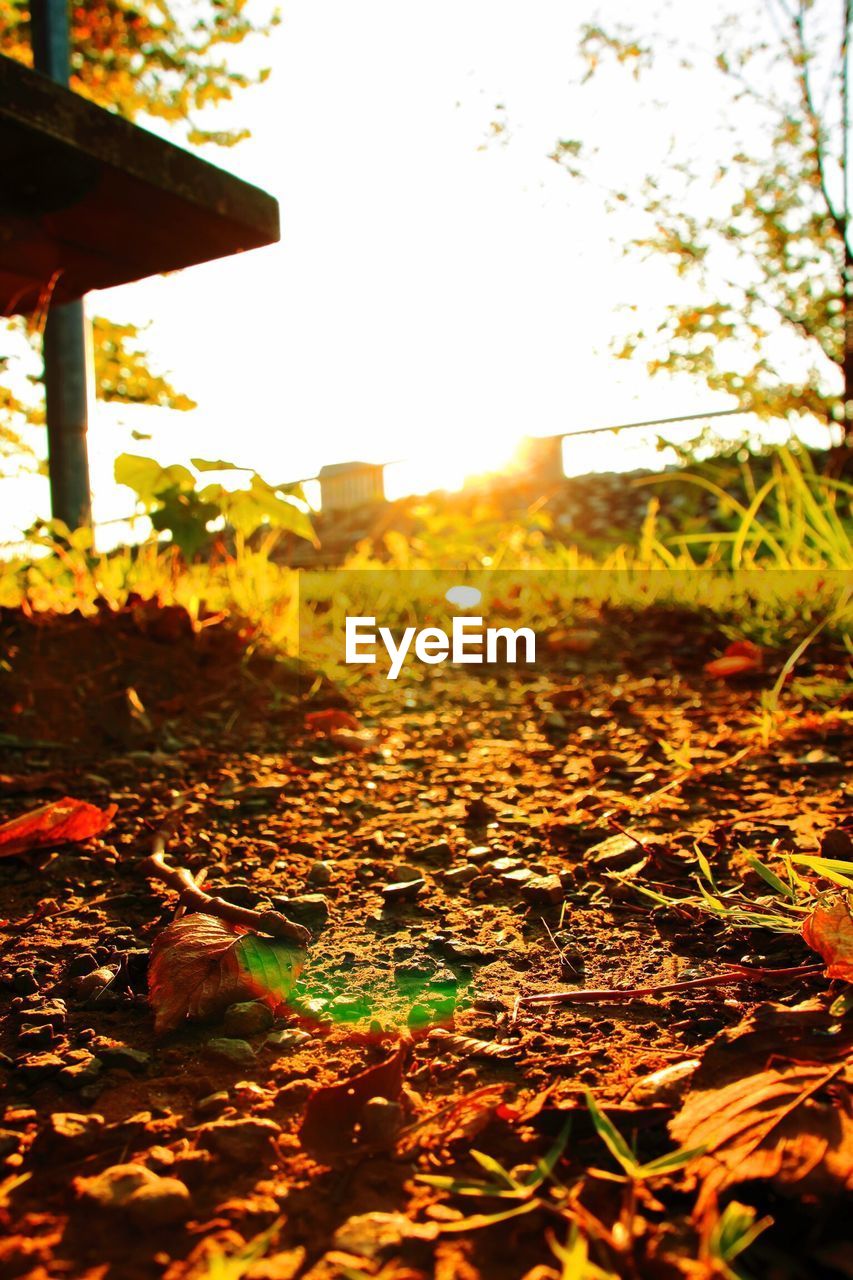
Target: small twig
[(564, 963), (194, 898), (629, 835), (621, 994)]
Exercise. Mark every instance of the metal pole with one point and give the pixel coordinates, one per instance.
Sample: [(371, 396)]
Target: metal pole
[(64, 345)]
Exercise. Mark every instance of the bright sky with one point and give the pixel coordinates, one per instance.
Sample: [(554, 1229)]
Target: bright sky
[(438, 291)]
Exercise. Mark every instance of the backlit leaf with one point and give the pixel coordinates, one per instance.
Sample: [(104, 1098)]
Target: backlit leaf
[(59, 822), (768, 1103), (200, 964), (740, 658), (829, 931)]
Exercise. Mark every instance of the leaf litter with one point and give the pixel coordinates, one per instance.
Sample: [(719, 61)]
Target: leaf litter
[(396, 1011)]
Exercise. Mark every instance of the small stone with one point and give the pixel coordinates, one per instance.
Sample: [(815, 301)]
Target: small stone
[(286, 1265), (461, 875), (115, 1053), (284, 1040), (836, 843), (247, 1018), (70, 1133), (244, 1141), (139, 1193), (36, 1067), (415, 969), (91, 985), (53, 1013), (36, 1037), (437, 851), (368, 1235), (163, 1203), (212, 1103), (516, 879), (295, 1092), (78, 965), (316, 1007), (349, 1008), (666, 1086), (320, 873), (490, 1004), (113, 1187), (231, 1049), (405, 891), (467, 952), (81, 1073), (500, 866), (479, 853), (10, 1141), (241, 894), (310, 909), (403, 872), (381, 1119), (542, 890), (615, 853), (443, 978), (24, 983)]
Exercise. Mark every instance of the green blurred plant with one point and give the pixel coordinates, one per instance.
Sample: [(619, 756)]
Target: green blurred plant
[(174, 503), (791, 899), (793, 519), (732, 1233)]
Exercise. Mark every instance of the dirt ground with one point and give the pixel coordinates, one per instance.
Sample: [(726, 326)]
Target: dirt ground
[(484, 845)]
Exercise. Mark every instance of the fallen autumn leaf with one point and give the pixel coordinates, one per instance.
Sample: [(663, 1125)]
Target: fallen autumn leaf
[(764, 1105), (58, 822), (829, 932), (200, 964), (739, 658), (332, 1111)]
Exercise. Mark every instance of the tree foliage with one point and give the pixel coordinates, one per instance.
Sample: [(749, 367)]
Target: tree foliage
[(157, 58), (761, 243), (122, 374)]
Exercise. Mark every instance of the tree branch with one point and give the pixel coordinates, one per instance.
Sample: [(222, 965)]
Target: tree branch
[(195, 899), (814, 122)]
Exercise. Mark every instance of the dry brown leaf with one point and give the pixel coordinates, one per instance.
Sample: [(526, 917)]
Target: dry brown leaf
[(200, 964), (333, 1110), (469, 1046), (829, 932), (59, 822), (772, 1100)]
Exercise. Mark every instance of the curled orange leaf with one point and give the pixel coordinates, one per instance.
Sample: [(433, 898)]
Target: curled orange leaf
[(829, 932), (59, 822), (741, 657)]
